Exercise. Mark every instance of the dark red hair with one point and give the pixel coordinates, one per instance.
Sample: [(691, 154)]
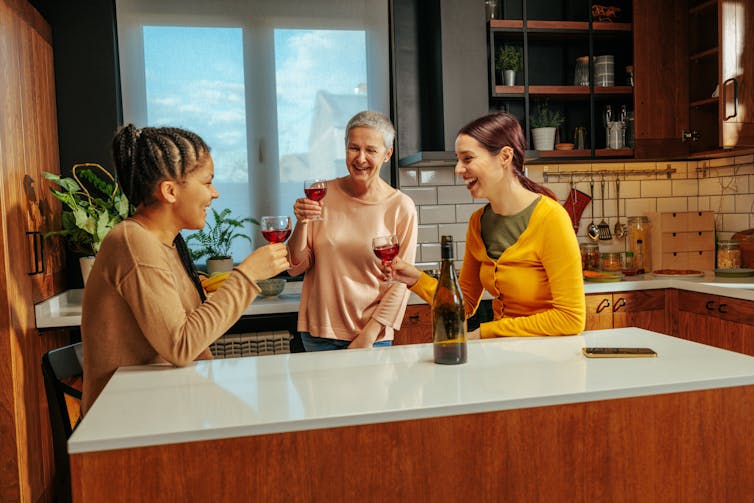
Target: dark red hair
[(498, 130)]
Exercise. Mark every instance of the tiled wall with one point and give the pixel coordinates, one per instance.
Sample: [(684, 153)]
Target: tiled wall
[(725, 186)]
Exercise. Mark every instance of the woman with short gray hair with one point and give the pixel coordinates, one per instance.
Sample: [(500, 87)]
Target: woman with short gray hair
[(345, 302)]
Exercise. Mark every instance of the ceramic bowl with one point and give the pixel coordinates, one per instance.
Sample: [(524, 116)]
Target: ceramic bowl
[(271, 287)]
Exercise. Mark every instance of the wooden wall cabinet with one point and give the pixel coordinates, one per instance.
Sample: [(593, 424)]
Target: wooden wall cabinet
[(641, 308), (417, 325), (28, 146), (715, 320)]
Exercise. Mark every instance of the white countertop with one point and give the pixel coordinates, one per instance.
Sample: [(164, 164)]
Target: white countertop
[(64, 309), (160, 404)]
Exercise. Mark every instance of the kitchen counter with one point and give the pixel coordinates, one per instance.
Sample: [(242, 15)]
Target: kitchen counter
[(275, 426), (64, 309)]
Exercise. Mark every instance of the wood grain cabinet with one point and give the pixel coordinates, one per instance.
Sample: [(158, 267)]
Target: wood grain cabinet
[(716, 320), (28, 146), (641, 308), (417, 325)]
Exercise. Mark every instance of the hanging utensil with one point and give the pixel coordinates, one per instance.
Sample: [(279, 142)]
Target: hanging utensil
[(604, 227), (592, 232), (620, 230), (575, 204)]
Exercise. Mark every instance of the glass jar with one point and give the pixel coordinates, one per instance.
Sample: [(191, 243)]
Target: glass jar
[(581, 72), (612, 261), (728, 254), (590, 256), (639, 243)]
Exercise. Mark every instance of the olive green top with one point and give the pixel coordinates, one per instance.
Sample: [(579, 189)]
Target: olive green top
[(501, 231)]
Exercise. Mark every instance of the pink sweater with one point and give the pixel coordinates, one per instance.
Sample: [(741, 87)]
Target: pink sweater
[(343, 288)]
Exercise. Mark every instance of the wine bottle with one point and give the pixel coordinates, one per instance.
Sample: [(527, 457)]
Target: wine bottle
[(448, 318)]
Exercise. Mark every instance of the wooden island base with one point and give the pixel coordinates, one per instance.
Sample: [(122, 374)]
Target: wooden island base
[(680, 447)]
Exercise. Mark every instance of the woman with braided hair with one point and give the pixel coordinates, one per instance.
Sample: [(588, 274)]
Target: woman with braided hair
[(143, 302)]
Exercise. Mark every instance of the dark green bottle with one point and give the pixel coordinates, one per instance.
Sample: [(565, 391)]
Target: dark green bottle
[(448, 319)]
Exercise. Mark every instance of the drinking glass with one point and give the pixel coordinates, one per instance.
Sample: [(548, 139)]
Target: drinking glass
[(386, 248), (315, 189), (276, 229)]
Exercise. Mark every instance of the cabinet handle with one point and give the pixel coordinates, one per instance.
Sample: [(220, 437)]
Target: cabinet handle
[(735, 97), (604, 304), (38, 250), (414, 318), (621, 302), (710, 305), (723, 308)]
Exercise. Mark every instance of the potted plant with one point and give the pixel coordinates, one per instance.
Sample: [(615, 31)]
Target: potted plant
[(215, 240), (543, 123), (94, 204), (509, 61)]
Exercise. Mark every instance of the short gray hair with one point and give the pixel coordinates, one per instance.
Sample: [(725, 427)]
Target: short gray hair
[(374, 120)]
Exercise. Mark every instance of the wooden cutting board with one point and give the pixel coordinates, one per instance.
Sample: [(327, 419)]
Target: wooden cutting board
[(746, 238)]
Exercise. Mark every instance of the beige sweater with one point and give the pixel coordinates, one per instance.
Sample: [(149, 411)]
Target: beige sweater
[(343, 287), (140, 307)]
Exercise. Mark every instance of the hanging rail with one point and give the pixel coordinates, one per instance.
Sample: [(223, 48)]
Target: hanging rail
[(605, 173)]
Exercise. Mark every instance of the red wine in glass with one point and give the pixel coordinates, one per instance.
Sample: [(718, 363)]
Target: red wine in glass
[(315, 190), (386, 248), (276, 236), (316, 194), (386, 253), (276, 229)]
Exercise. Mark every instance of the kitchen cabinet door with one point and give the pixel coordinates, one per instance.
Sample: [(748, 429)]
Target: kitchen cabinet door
[(644, 309), (737, 72), (715, 320), (599, 311), (416, 327)]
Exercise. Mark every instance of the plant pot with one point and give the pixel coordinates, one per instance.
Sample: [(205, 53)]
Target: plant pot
[(86, 264), (509, 77), (543, 138), (219, 265)]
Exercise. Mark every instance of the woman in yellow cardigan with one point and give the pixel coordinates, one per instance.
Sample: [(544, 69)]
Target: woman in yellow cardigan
[(520, 247)]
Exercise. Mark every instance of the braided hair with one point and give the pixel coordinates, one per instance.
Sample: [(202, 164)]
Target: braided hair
[(147, 156)]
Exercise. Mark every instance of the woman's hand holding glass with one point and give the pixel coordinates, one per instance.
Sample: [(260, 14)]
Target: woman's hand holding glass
[(400, 270), (266, 262), (310, 207)]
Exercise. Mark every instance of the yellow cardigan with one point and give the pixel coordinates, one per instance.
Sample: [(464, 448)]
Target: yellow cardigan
[(537, 284)]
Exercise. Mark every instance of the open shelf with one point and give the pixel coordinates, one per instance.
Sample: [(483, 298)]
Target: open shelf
[(704, 103), (614, 152)]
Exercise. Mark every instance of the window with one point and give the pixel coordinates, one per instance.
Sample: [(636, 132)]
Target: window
[(269, 87)]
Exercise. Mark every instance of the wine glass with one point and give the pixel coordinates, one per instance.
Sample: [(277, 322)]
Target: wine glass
[(386, 248), (276, 229), (315, 189)]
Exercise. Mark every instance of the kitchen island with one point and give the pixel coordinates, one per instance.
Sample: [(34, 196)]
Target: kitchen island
[(526, 419)]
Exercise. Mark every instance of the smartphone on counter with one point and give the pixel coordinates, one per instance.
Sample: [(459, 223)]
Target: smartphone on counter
[(595, 352)]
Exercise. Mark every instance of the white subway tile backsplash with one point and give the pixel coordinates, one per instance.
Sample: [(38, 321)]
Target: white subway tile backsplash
[(408, 177), (636, 207), (422, 195), (734, 222), (458, 231), (656, 188), (428, 234), (464, 211), (744, 203), (430, 252), (453, 194), (723, 188), (437, 214), (437, 176), (665, 204), (687, 187)]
